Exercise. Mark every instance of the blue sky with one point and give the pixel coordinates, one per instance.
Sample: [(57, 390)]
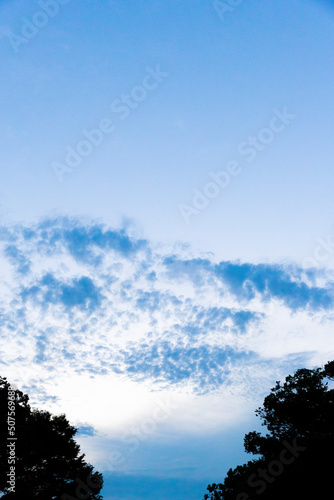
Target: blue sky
[(167, 229)]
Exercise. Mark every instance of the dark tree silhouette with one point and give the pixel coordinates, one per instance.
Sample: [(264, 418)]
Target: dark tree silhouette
[(48, 463), (295, 458)]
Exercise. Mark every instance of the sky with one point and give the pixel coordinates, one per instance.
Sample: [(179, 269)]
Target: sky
[(166, 223)]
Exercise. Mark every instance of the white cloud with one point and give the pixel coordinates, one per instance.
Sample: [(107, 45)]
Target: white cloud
[(97, 324)]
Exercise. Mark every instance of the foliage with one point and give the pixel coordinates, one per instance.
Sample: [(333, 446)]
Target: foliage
[(294, 456), (48, 464)]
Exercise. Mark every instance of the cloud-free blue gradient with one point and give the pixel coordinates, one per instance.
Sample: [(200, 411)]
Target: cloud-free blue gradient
[(127, 487), (225, 78)]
